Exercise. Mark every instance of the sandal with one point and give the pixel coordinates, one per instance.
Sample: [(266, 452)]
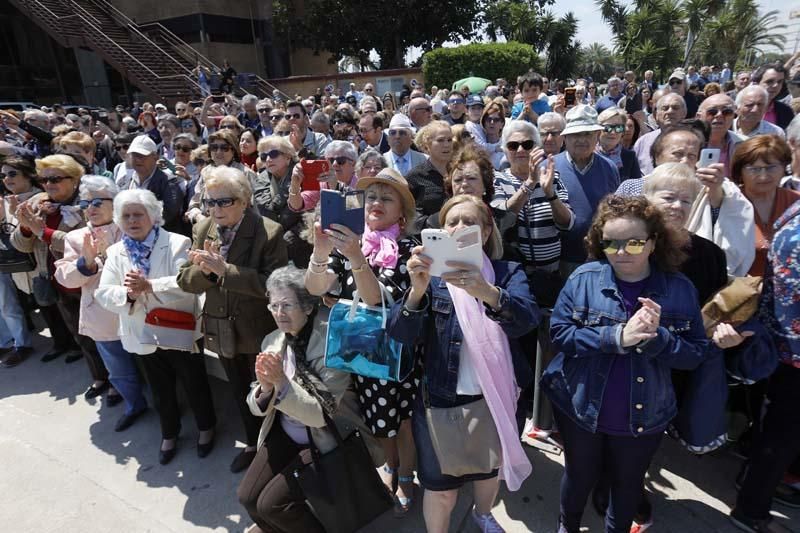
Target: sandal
[(391, 486), (403, 505)]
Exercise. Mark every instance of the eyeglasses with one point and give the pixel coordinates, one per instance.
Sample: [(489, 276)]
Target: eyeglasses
[(285, 306), (548, 133), (272, 154), (9, 174), (94, 202), (55, 180), (263, 110), (614, 128), (292, 116), (183, 148), (631, 246), (768, 169), (456, 101), (401, 133), (714, 111), (514, 145), (494, 120), (221, 202), (199, 162), (219, 148), (120, 147), (675, 82), (340, 160), (275, 118)]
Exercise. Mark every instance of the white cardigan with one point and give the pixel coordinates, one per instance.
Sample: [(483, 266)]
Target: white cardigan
[(169, 253)]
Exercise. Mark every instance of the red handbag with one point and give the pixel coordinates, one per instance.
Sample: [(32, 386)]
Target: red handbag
[(170, 318)]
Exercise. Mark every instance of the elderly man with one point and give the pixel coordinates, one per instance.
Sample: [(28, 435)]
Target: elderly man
[(741, 81), (751, 106), (249, 115), (419, 111), (612, 97), (670, 110), (368, 105), (772, 77), (143, 154), (678, 85), (168, 126), (369, 90), (36, 126), (401, 157), (651, 83), (370, 127), (550, 127), (587, 177), (264, 108), (309, 144), (321, 123), (718, 111)]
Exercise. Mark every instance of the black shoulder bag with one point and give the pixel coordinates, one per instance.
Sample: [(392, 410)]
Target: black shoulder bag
[(11, 259)]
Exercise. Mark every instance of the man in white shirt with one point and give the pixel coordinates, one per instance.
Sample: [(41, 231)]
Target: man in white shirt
[(401, 157)]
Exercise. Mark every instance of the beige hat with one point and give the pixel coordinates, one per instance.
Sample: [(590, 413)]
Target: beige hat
[(393, 179), (678, 74), (581, 118)]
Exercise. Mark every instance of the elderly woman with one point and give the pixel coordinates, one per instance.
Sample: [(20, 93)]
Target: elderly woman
[(230, 122), (183, 145), (426, 180), (532, 190), (139, 283), (234, 252), (492, 121), (609, 343), (82, 145), (758, 166), (483, 311), (369, 163), (19, 179), (43, 221), (342, 157), (343, 262), (81, 268), (292, 391), (609, 145)]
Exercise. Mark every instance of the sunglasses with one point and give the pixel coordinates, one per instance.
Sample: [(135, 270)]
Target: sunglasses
[(675, 82), (401, 133), (340, 121), (272, 154), (199, 162), (219, 148), (714, 111), (494, 120), (455, 102), (53, 179), (614, 128), (340, 160), (9, 174), (292, 116), (122, 147), (546, 134), (183, 148), (275, 118), (514, 145), (94, 202), (221, 202), (631, 246), (264, 110)]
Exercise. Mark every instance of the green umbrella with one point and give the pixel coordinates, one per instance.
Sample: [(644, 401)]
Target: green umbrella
[(475, 84)]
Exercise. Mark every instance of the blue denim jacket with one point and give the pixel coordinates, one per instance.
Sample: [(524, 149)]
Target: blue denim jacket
[(436, 327), (586, 327)]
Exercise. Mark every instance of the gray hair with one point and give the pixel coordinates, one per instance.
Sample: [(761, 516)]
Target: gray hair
[(762, 92), (521, 126), (666, 96), (266, 102), (142, 197), (172, 119), (231, 179), (292, 278), (610, 113), (320, 117), (671, 176), (613, 79), (793, 130), (94, 186), (186, 137), (249, 99), (369, 153), (346, 148), (550, 116)]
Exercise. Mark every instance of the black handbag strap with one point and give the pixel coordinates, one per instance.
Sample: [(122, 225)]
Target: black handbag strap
[(329, 423)]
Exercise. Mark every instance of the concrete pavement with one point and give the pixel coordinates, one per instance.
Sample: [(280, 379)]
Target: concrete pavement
[(63, 468)]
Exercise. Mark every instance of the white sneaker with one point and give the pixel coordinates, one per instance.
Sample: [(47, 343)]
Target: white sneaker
[(486, 522)]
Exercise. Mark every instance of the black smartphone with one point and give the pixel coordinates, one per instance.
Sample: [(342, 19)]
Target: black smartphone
[(569, 96), (102, 116), (218, 98)]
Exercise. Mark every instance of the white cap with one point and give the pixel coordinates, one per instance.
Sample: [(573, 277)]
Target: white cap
[(161, 106), (400, 121), (143, 145)]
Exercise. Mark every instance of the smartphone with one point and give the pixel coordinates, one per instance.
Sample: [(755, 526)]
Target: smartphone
[(195, 104), (464, 245), (164, 164), (569, 96), (708, 156), (102, 116), (312, 169), (345, 208), (218, 98)]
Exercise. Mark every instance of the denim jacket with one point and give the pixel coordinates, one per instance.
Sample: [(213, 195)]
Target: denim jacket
[(586, 328), (436, 327)]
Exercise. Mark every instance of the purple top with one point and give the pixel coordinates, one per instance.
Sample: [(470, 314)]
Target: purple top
[(615, 416)]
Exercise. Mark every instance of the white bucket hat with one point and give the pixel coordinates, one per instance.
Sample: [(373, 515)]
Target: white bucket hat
[(581, 118)]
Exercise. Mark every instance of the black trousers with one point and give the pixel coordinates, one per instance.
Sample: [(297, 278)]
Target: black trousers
[(69, 304), (241, 372), (777, 444), (62, 338), (269, 492), (163, 369)]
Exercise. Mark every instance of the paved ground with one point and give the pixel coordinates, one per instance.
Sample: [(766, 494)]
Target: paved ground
[(63, 468)]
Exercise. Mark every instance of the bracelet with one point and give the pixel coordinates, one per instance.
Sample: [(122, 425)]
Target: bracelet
[(315, 263), (552, 198), (294, 193), (312, 268), (362, 268)]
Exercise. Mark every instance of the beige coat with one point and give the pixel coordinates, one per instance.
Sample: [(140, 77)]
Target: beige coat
[(304, 407)]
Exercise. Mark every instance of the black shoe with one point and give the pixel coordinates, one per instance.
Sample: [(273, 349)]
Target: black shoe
[(127, 420), (16, 357), (242, 461), (6, 350), (767, 525), (53, 354), (113, 399), (204, 449), (94, 392), (787, 495), (74, 355), (165, 456)]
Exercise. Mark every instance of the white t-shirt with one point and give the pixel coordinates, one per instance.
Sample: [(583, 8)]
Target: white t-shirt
[(468, 384)]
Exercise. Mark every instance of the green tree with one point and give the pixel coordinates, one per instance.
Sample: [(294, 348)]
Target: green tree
[(444, 66), (597, 61)]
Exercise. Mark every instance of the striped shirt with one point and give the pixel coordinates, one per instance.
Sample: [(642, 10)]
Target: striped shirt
[(538, 236)]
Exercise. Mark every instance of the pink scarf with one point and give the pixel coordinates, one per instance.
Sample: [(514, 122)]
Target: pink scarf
[(486, 347), (380, 247)]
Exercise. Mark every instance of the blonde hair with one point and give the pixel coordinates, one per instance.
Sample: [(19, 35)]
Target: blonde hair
[(231, 179), (671, 176), (64, 163), (423, 137), (494, 245), (612, 112), (280, 143), (79, 139)]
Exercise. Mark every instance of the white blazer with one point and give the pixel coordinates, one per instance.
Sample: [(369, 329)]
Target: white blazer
[(169, 253)]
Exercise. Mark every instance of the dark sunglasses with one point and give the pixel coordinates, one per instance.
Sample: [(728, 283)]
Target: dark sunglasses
[(514, 145), (631, 246), (340, 121), (199, 162), (456, 101), (122, 147), (493, 120), (614, 128), (53, 179), (264, 110), (675, 82), (183, 148), (341, 160), (275, 118), (94, 202), (714, 111), (221, 202), (272, 154), (219, 148), (9, 174)]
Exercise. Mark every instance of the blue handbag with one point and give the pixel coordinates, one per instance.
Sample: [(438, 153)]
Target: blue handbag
[(357, 341)]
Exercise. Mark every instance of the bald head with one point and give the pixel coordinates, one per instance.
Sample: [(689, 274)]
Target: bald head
[(718, 111), (419, 111)]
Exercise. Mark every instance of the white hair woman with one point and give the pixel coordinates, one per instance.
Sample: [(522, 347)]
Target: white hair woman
[(342, 156), (81, 268), (234, 252), (139, 279)]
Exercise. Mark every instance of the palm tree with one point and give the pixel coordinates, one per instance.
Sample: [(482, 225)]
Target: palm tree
[(597, 61), (739, 30)]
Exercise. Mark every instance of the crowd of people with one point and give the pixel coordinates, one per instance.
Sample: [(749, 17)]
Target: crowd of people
[(612, 215)]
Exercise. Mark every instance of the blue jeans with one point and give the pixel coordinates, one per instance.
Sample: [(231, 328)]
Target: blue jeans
[(13, 327), (122, 374)]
